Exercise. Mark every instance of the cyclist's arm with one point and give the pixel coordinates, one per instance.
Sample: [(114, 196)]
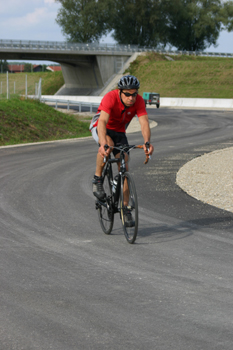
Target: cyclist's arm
[(101, 129), (145, 128)]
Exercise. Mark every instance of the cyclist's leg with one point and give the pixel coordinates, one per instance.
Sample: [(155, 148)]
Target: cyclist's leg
[(99, 159), (98, 189)]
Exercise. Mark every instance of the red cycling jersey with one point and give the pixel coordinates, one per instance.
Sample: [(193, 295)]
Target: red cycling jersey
[(119, 115)]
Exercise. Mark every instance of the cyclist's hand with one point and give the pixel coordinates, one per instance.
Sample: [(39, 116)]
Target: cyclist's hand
[(148, 148), (104, 151)]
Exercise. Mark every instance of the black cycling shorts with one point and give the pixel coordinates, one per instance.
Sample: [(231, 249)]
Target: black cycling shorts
[(119, 138)]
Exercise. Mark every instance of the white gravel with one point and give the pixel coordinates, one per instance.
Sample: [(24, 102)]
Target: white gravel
[(209, 178)]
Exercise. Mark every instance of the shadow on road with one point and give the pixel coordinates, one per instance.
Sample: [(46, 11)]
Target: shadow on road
[(166, 232), (163, 233), (217, 222)]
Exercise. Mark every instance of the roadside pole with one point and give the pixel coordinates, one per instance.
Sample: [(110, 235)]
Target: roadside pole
[(26, 87), (39, 89), (7, 86)]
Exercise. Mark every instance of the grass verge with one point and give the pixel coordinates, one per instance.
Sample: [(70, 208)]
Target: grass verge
[(24, 121)]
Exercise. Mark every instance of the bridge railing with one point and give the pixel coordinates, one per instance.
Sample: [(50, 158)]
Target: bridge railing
[(63, 46), (98, 47)]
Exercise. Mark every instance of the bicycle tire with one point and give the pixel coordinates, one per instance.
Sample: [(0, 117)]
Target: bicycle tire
[(105, 210), (129, 232)]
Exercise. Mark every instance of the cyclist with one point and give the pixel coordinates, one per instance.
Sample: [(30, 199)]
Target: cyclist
[(116, 110)]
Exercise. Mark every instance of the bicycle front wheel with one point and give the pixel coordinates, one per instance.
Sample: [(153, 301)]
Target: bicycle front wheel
[(105, 210), (129, 207)]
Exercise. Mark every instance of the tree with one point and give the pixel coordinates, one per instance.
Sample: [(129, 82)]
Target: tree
[(195, 24), (186, 24), (227, 15), (28, 67), (4, 66), (84, 20), (138, 22)]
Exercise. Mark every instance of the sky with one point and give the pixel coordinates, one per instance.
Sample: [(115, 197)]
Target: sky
[(35, 20)]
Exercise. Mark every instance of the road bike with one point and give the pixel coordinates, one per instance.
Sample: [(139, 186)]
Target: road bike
[(120, 195)]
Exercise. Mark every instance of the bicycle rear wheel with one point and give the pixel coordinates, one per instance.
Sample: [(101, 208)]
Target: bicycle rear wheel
[(129, 207), (105, 210)]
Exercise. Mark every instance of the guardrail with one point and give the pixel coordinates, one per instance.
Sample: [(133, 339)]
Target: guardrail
[(80, 104), (211, 103), (98, 47)]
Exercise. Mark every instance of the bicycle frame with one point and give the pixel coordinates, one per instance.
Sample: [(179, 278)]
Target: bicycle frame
[(120, 197), (114, 196)]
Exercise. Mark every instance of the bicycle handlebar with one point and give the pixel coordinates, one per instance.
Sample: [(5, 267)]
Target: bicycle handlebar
[(126, 148), (147, 155)]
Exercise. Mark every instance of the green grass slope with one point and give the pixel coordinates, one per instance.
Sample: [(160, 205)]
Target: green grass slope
[(51, 83), (185, 76)]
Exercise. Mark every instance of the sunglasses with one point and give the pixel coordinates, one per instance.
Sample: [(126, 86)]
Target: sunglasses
[(127, 94)]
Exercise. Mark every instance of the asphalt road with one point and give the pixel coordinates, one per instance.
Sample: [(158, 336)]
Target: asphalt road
[(64, 285)]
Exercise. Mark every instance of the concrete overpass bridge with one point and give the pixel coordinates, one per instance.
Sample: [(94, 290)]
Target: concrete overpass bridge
[(87, 68)]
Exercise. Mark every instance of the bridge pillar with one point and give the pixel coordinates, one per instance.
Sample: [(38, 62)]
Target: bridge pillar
[(88, 75)]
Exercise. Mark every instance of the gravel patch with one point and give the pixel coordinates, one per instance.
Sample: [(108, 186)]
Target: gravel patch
[(134, 125), (209, 178)]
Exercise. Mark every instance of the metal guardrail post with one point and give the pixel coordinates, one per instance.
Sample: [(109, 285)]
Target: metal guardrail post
[(80, 107)]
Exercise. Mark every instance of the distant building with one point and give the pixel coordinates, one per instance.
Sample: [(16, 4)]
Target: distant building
[(16, 68), (19, 68), (37, 68), (54, 68)]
